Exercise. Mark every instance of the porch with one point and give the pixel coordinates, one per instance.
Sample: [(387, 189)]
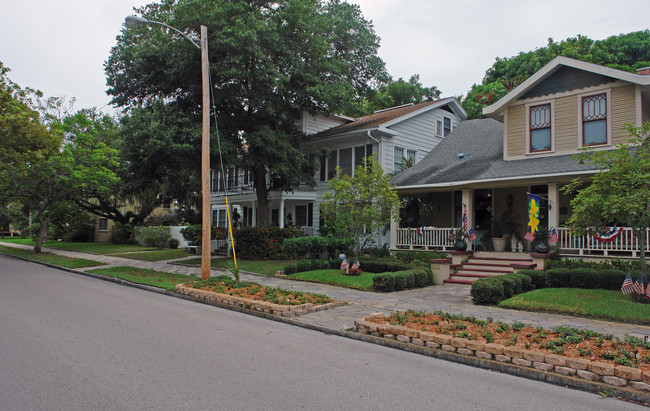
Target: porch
[(435, 238)]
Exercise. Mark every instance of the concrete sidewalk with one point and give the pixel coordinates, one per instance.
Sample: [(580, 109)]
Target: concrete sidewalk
[(449, 298)]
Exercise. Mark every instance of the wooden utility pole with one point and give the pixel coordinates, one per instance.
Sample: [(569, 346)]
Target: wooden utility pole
[(205, 159)]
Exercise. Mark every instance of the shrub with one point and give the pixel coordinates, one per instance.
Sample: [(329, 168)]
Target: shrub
[(487, 291), (400, 281), (383, 283), (423, 277), (611, 279), (409, 278), (418, 257), (193, 234), (537, 277), (510, 286), (260, 243), (525, 281), (583, 278), (158, 236), (315, 247), (382, 265), (558, 277), (122, 234), (173, 243)]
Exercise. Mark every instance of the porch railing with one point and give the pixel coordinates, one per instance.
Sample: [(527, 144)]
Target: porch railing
[(625, 244), (427, 238)]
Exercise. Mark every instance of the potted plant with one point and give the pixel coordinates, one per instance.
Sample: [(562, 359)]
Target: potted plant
[(541, 240), (459, 237), (504, 228)]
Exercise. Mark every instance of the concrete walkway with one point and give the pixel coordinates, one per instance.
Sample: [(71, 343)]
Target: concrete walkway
[(449, 298)]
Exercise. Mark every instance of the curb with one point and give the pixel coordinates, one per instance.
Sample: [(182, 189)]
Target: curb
[(624, 393)]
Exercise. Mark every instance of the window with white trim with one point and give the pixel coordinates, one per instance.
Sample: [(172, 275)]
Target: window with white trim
[(594, 120), (397, 160), (439, 128), (345, 161), (102, 224), (447, 126), (410, 155), (540, 128)]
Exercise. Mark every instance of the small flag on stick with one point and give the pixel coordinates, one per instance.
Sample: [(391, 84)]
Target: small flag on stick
[(627, 286), (552, 238), (638, 285)]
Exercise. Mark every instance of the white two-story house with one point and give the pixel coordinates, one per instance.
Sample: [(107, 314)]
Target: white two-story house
[(394, 134)]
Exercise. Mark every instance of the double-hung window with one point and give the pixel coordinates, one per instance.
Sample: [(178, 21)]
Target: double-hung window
[(540, 128), (397, 160), (594, 120), (447, 126)]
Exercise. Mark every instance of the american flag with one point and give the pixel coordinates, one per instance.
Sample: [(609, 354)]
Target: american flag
[(356, 265), (552, 238), (529, 236), (647, 291), (627, 286), (344, 265), (638, 285), (471, 235)]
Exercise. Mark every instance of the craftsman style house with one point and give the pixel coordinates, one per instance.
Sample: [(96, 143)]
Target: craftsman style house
[(393, 134), (486, 167)]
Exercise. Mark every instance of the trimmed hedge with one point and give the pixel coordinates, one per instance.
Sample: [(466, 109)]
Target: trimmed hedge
[(263, 243), (402, 280), (383, 265), (315, 247), (493, 290), (311, 265)]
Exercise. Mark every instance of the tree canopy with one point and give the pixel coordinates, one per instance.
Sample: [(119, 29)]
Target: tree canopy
[(270, 61), (619, 193), (359, 206), (624, 52)]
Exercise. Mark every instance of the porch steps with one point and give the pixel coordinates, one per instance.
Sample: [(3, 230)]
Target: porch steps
[(482, 266)]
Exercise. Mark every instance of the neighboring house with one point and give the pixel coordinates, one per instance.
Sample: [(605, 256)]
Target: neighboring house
[(103, 225), (409, 131), (488, 166)]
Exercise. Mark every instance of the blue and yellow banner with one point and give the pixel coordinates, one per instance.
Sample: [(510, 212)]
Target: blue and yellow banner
[(534, 202)]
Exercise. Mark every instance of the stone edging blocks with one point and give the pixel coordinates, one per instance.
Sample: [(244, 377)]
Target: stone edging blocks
[(612, 375), (262, 306)]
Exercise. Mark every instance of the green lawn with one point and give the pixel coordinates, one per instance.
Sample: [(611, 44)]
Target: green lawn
[(95, 248), (267, 268), (155, 255), (160, 279), (50, 258), (601, 304), (336, 277)]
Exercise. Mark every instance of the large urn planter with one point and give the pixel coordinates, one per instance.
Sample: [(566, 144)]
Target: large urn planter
[(543, 247), (499, 244), (460, 245)]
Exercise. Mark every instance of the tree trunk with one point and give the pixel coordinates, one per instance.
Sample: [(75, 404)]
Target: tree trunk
[(262, 192), (42, 233)]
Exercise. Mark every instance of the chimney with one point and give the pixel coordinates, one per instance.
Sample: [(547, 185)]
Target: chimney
[(643, 71)]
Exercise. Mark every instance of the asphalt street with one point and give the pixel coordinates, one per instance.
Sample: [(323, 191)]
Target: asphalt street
[(76, 343)]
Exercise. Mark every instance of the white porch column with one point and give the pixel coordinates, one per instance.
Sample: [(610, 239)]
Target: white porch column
[(281, 216), (393, 230), (468, 204), (253, 223), (553, 205)]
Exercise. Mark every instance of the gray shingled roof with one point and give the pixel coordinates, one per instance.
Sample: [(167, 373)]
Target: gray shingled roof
[(482, 143)]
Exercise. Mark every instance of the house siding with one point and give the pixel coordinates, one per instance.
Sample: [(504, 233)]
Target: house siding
[(623, 112), (312, 124), (516, 133), (566, 124), (419, 133)]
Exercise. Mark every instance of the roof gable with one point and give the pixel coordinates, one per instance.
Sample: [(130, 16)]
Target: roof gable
[(547, 72), (388, 117)]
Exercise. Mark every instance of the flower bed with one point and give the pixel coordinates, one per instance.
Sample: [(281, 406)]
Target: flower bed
[(225, 290), (567, 351)]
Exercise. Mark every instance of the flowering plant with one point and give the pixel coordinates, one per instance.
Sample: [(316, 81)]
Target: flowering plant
[(458, 234)]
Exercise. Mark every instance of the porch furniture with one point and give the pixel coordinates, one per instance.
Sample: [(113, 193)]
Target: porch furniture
[(478, 243)]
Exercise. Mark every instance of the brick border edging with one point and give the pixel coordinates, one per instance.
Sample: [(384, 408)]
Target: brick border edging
[(455, 349), (257, 305)]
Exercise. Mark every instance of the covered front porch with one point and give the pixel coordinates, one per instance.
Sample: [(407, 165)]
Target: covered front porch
[(495, 212)]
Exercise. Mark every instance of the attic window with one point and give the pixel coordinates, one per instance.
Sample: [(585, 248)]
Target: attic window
[(540, 128)]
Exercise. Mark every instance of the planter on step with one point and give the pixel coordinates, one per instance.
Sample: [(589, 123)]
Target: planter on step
[(499, 244)]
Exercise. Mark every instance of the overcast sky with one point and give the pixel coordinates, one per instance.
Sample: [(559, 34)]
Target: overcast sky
[(60, 46)]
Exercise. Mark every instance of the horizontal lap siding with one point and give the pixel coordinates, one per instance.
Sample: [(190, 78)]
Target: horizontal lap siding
[(419, 133), (623, 112), (319, 122), (516, 131), (566, 124)]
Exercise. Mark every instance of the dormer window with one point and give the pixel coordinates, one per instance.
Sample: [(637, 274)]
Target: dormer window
[(594, 120), (540, 128)]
